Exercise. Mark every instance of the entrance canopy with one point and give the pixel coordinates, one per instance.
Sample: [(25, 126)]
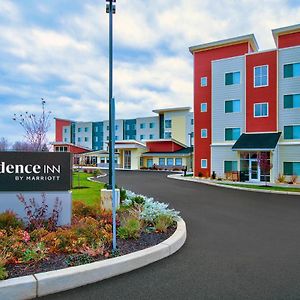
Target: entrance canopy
[(257, 142)]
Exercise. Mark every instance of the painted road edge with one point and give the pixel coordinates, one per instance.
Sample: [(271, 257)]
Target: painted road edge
[(196, 180), (42, 284)]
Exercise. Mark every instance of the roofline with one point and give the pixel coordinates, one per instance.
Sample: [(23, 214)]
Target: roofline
[(167, 140), (69, 144), (128, 142), (171, 109), (226, 42), (284, 30), (60, 119)]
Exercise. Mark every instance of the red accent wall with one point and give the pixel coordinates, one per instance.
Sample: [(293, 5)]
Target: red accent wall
[(261, 94), (162, 146), (202, 68), (59, 124), (76, 150), (289, 40)]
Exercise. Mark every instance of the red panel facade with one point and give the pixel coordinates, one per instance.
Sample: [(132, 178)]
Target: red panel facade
[(163, 146), (289, 40), (202, 68), (264, 94), (76, 150), (59, 124)]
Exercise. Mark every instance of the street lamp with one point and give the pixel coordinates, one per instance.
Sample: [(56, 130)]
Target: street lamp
[(111, 9)]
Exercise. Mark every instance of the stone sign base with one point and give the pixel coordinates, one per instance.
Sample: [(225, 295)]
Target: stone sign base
[(106, 199), (10, 201)]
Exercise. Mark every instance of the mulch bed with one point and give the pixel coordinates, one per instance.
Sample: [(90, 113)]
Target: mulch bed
[(61, 261)]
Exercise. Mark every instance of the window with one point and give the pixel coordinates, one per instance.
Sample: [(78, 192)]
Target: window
[(102, 160), (65, 139), (133, 126), (161, 161), (142, 125), (168, 123), (291, 168), (151, 136), (116, 138), (142, 137), (203, 81), (261, 76), (79, 129), (151, 125), (65, 130), (292, 132), (133, 137), (291, 70), (291, 101), (96, 129), (232, 78), (204, 133), (86, 129), (117, 127), (168, 135), (261, 110), (86, 139), (232, 106), (107, 138), (170, 162), (203, 163), (107, 127), (178, 161), (96, 139), (79, 140), (232, 134), (127, 137), (230, 166), (192, 121), (203, 107)]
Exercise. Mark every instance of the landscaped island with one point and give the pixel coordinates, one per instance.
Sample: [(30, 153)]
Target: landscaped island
[(39, 245)]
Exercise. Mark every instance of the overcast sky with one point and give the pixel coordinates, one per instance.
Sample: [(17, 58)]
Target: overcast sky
[(58, 50)]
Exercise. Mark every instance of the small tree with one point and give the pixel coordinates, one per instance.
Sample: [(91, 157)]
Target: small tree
[(265, 164), (22, 146), (36, 128), (3, 144)]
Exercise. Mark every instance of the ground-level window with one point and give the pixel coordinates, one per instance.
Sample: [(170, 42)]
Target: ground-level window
[(178, 161), (291, 168), (102, 160), (170, 162), (230, 166), (203, 163), (161, 161), (141, 162)]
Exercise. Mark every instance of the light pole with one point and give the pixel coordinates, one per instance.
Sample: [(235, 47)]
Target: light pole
[(111, 9)]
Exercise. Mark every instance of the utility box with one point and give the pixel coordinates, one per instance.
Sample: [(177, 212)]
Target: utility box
[(106, 199)]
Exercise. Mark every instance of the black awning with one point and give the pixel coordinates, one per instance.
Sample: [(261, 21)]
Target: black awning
[(257, 141)]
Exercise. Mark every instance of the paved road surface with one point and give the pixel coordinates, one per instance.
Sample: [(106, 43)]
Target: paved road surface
[(241, 245)]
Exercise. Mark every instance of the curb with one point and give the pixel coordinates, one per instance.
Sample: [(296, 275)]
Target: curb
[(42, 284), (232, 187)]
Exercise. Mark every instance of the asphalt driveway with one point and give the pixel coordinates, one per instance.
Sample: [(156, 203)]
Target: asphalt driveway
[(241, 245)]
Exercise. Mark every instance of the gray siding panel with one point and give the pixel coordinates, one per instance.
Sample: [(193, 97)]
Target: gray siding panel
[(222, 92), (288, 86)]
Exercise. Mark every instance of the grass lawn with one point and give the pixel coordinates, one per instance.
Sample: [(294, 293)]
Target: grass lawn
[(261, 187), (89, 192)]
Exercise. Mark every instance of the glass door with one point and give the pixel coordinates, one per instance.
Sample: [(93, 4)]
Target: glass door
[(254, 170), (127, 159)]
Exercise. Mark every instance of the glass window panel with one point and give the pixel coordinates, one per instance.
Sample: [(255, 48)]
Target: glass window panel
[(264, 70), (264, 80), (228, 134), (288, 101), (234, 166), (288, 70), (203, 163), (162, 162), (296, 70), (288, 132), (227, 166), (178, 161), (264, 109), (228, 78), (288, 168), (228, 106), (236, 77), (296, 168), (236, 106), (203, 107), (257, 110), (296, 132), (257, 71), (170, 161), (236, 133), (296, 101), (257, 81)]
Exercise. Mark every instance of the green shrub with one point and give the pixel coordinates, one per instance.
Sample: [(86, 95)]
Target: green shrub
[(131, 230), (138, 200), (123, 194), (3, 273), (36, 253), (163, 222), (9, 219)]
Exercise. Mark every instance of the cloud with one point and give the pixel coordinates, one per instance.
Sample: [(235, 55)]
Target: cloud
[(58, 50)]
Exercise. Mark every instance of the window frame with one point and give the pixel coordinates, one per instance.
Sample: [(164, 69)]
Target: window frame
[(232, 112), (289, 139), (232, 72), (202, 83), (231, 128), (202, 161), (295, 94), (290, 63), (201, 106), (202, 131), (259, 86), (261, 116)]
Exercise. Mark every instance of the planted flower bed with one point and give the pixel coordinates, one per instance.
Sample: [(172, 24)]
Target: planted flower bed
[(39, 245)]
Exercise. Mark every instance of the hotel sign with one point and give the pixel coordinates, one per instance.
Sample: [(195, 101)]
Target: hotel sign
[(35, 171)]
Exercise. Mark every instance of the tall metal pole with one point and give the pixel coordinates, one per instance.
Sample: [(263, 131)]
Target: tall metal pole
[(110, 95)]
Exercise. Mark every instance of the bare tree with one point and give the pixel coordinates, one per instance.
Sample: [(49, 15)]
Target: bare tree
[(36, 128), (22, 146), (4, 144)]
